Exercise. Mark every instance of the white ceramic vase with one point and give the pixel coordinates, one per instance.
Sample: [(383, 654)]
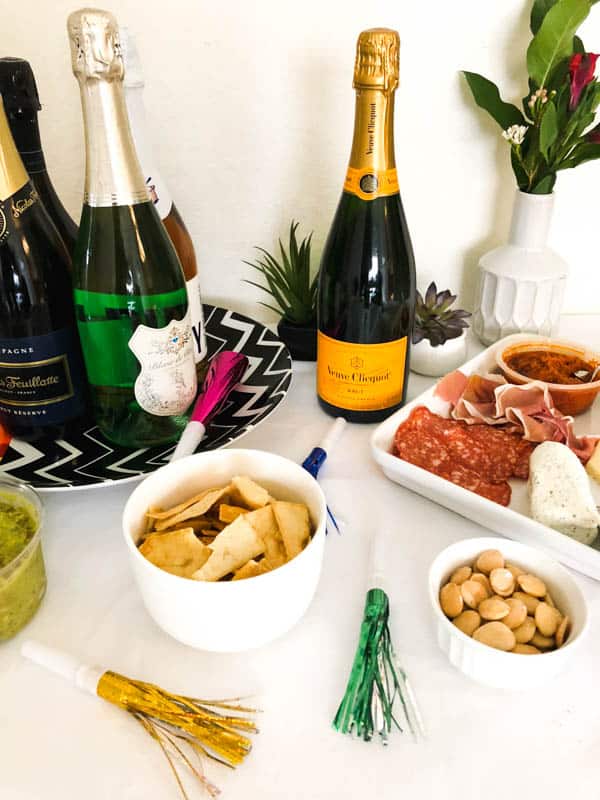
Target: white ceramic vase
[(521, 284), (435, 361)]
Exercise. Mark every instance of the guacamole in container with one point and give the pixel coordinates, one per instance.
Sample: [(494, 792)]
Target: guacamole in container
[(22, 571)]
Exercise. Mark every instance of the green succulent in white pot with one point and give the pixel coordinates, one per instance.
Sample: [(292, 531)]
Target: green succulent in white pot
[(439, 342), (292, 285)]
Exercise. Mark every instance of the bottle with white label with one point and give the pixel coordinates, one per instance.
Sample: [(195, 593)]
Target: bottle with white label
[(159, 192), (131, 300)]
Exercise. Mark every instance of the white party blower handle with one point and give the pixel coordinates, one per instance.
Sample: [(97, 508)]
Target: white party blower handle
[(333, 434), (379, 559), (61, 663), (190, 439)]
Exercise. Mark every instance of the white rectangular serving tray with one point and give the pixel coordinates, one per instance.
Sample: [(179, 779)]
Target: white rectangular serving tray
[(512, 521)]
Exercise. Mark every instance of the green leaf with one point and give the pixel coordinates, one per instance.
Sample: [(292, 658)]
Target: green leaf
[(487, 96), (545, 185), (548, 128), (553, 42), (588, 151), (520, 174), (538, 11)]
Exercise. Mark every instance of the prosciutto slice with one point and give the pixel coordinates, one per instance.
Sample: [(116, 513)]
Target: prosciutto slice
[(527, 409)]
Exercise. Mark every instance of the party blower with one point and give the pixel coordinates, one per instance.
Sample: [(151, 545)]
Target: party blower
[(378, 694), (224, 373), (186, 729)]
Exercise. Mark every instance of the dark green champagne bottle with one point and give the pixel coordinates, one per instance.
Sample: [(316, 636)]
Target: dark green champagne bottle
[(22, 103), (130, 295), (41, 371), (367, 278)]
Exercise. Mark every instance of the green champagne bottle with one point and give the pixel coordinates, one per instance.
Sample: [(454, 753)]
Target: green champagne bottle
[(130, 296), (367, 279)]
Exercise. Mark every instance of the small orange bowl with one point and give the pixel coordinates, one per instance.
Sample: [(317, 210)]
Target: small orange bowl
[(570, 398)]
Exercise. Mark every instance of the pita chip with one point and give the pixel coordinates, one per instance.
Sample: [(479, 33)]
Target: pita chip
[(249, 493), (263, 522), (249, 570), (204, 504), (237, 544), (178, 550), (293, 522)]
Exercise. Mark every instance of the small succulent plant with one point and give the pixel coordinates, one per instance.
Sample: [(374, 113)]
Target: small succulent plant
[(289, 280), (435, 320)]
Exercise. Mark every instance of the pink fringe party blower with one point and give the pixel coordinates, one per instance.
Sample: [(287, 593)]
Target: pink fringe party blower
[(224, 373)]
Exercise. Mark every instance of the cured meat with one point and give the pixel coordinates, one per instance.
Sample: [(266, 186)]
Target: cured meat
[(527, 410), (477, 457)]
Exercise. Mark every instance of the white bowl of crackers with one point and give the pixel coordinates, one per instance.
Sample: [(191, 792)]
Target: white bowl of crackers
[(226, 547), (507, 615)]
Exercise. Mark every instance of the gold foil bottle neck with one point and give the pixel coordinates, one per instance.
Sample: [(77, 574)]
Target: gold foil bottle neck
[(377, 64), (12, 172), (95, 45)]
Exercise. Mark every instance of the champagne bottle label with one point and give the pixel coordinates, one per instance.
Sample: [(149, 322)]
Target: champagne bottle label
[(106, 323), (38, 376), (360, 377), (166, 384), (13, 208), (197, 318), (369, 183)]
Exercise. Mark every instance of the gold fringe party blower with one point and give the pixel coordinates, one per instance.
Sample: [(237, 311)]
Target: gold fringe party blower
[(174, 721)]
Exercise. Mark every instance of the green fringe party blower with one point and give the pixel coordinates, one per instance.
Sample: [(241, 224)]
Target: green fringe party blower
[(378, 694)]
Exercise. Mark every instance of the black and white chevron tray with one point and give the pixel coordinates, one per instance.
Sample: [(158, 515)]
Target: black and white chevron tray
[(88, 460)]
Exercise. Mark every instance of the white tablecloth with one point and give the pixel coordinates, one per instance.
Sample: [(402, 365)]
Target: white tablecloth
[(59, 744)]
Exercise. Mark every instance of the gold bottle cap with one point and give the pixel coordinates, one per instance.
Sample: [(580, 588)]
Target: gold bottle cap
[(95, 45), (377, 64)]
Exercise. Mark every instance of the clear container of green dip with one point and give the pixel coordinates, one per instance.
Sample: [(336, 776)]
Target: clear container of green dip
[(22, 571)]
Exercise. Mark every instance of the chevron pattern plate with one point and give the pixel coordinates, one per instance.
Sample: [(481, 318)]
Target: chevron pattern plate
[(88, 460)]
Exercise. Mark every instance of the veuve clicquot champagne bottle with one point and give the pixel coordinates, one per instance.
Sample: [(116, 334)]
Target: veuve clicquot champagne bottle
[(130, 296), (41, 371), (22, 103), (367, 278), (159, 192)]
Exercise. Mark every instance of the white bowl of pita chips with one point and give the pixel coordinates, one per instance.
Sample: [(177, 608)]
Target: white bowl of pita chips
[(226, 547)]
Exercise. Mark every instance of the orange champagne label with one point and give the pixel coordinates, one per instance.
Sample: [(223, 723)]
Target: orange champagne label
[(368, 183), (360, 377)]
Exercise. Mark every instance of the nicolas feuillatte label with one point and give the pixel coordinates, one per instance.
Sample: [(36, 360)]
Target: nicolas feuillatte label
[(15, 207), (38, 376)]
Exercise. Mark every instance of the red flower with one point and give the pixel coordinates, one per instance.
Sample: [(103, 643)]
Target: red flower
[(593, 135), (581, 68)]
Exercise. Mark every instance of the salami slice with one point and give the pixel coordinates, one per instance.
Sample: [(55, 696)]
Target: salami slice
[(479, 458)]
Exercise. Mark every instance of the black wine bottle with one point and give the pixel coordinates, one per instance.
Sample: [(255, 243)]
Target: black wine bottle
[(367, 279), (22, 103), (41, 370)]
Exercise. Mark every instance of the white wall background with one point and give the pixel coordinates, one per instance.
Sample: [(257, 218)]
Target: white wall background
[(251, 106)]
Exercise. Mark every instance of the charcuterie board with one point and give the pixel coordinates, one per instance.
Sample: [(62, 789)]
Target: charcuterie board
[(513, 520)]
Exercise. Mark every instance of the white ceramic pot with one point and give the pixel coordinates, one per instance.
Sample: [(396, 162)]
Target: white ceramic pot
[(228, 616), (483, 663), (521, 284), (435, 361)]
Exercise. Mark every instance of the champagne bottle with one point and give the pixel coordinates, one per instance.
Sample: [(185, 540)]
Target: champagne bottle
[(159, 192), (367, 287), (22, 103), (41, 371), (130, 295)]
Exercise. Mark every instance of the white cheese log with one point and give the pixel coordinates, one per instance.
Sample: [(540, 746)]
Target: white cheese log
[(560, 493)]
